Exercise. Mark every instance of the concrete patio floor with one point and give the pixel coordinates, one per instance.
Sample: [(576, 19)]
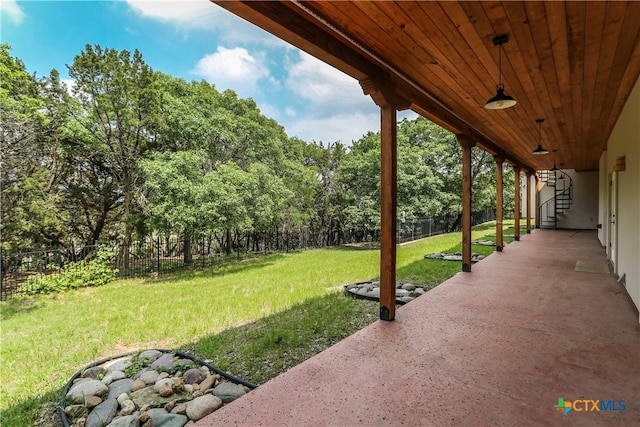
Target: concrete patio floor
[(497, 346)]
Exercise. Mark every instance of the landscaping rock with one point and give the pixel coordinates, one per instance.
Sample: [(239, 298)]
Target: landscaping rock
[(228, 392), (202, 406), (117, 375), (409, 287), (209, 382), (96, 372), (165, 391), (194, 376), (405, 292), (180, 409), (127, 407), (184, 362), (138, 385), (88, 388), (126, 421), (116, 388), (119, 364), (150, 355), (164, 362), (122, 398), (159, 384), (153, 399), (102, 414), (162, 418), (149, 377), (92, 401)]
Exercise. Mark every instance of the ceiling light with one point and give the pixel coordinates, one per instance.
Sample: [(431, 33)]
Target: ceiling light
[(539, 150), (501, 100), (554, 168)]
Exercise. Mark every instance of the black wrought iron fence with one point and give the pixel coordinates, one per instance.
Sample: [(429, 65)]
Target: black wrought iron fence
[(16, 268), (163, 254)]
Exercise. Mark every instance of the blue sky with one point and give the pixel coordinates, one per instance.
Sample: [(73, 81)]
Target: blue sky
[(195, 40)]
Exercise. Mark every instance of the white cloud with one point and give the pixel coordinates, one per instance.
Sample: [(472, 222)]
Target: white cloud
[(203, 14), (234, 69), (11, 9), (340, 127), (324, 86), (336, 109), (200, 13)]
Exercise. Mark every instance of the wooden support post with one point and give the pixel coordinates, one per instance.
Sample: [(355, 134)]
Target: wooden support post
[(529, 202), (467, 144), (499, 202), (389, 102), (388, 204), (516, 208)]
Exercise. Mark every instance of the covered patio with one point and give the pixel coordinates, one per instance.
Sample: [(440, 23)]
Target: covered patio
[(498, 346)]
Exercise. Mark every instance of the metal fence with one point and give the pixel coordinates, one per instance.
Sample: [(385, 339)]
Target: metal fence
[(16, 268), (163, 254)]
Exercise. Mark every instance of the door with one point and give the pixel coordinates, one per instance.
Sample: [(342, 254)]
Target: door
[(613, 221)]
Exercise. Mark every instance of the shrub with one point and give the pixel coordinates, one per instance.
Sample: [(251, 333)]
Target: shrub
[(95, 272)]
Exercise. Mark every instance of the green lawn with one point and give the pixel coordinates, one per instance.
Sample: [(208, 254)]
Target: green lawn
[(254, 318)]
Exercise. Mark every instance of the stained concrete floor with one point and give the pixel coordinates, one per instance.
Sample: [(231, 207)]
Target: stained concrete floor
[(495, 347)]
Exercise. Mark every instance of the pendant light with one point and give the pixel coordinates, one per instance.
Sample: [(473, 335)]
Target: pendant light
[(539, 150), (501, 100), (554, 168)]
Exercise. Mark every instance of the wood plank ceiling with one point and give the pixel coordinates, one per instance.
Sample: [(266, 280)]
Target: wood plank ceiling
[(570, 63)]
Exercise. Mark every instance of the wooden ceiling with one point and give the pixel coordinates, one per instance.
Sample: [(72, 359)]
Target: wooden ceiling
[(570, 63)]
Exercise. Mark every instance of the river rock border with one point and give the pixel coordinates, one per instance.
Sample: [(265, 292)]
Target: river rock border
[(405, 292), (148, 388), (454, 257)]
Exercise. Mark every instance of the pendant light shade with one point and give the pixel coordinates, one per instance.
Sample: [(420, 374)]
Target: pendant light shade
[(501, 100), (540, 149)]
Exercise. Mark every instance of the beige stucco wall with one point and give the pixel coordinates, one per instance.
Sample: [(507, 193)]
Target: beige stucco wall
[(625, 141), (603, 193), (583, 214)]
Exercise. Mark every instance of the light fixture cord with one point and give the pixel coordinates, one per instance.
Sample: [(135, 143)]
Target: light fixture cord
[(500, 67), (539, 124)]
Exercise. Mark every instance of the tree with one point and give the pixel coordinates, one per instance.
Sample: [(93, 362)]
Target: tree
[(29, 160), (118, 93)]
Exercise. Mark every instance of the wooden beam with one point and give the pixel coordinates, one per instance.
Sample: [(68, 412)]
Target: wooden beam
[(388, 205), (528, 192), (516, 208), (499, 202), (467, 144)]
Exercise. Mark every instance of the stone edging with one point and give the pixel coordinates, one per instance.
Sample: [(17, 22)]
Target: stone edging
[(405, 292), (166, 386)]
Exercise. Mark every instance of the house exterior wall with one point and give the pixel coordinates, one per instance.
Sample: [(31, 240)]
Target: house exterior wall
[(583, 214), (625, 141), (603, 194)]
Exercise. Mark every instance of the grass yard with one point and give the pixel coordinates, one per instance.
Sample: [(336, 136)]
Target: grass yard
[(254, 319)]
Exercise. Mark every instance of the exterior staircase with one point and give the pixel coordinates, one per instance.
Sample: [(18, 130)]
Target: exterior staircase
[(562, 200)]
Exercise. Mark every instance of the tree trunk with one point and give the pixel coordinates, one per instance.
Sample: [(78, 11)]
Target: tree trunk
[(188, 256)]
